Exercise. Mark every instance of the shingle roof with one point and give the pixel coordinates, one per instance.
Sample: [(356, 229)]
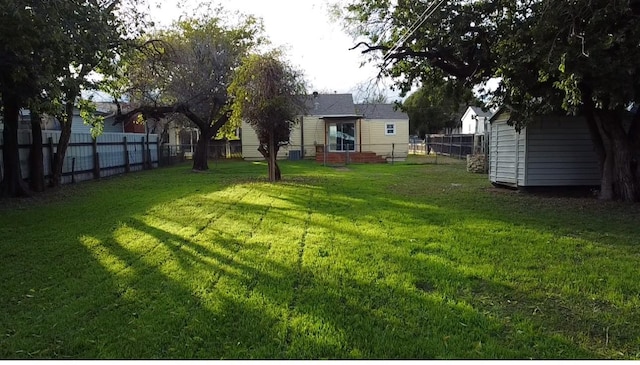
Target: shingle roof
[(380, 111), (481, 113), (330, 105)]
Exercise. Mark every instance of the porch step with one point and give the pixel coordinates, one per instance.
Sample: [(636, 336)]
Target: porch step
[(354, 157)]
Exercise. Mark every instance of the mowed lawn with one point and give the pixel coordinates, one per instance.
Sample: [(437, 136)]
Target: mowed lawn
[(404, 261)]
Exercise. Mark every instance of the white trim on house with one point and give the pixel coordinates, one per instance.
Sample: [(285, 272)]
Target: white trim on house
[(390, 131)]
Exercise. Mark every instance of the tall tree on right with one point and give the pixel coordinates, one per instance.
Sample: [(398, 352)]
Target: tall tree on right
[(579, 56)]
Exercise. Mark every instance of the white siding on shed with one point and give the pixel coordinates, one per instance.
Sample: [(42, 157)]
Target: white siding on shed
[(503, 152)]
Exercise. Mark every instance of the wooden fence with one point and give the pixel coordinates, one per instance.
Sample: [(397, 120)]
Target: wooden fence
[(88, 158)]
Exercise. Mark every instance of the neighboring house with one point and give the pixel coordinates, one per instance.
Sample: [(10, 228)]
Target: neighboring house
[(50, 123), (475, 120), (457, 118), (551, 151), (334, 131)]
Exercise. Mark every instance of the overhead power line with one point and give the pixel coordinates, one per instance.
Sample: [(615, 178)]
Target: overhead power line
[(423, 18)]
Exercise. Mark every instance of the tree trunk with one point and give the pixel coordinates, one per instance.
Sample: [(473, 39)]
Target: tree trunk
[(618, 150), (277, 172), (201, 155), (274, 169), (620, 180), (63, 144), (36, 163), (272, 159), (207, 131), (12, 184)]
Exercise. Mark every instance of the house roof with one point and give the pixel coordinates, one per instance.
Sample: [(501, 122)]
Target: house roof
[(481, 113), (380, 111), (330, 105)]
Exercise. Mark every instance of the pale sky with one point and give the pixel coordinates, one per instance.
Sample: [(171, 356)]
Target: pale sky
[(315, 44)]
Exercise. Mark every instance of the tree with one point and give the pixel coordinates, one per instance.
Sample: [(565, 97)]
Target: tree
[(188, 73), (578, 56), (437, 105), (29, 45), (269, 95), (96, 35), (49, 48)]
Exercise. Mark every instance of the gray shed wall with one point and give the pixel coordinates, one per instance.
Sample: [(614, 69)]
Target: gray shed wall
[(560, 153), (552, 151)]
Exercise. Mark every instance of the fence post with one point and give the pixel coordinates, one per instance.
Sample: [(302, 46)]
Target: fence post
[(158, 150), (96, 160), (144, 155), (460, 147), (148, 154), (127, 163), (51, 156), (73, 170), (324, 153), (393, 153)]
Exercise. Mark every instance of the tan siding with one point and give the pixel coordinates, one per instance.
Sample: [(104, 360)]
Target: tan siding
[(313, 134), (375, 140), (250, 143), (250, 140)]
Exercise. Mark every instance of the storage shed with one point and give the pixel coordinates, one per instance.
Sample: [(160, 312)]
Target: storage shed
[(551, 151)]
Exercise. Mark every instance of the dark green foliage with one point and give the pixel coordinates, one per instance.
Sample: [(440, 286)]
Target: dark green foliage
[(572, 56), (438, 105)]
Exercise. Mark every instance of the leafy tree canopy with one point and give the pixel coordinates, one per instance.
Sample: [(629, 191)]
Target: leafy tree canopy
[(47, 51), (437, 105), (187, 68), (576, 56)]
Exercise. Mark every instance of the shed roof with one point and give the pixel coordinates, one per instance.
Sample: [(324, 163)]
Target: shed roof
[(330, 105), (381, 111)]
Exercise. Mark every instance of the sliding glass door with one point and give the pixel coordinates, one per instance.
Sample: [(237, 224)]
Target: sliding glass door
[(342, 136)]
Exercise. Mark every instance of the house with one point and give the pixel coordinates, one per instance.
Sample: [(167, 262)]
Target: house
[(475, 120), (551, 151), (334, 131), (384, 125), (50, 123)]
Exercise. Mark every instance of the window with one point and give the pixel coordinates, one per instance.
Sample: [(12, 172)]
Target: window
[(342, 136), (389, 129)]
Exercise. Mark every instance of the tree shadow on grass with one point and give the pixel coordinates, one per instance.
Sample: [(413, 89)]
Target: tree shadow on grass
[(207, 294), (545, 306)]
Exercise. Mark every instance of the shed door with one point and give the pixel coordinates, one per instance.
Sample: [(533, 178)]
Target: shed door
[(505, 154)]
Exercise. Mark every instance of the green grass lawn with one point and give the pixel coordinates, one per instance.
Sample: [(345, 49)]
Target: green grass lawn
[(396, 261)]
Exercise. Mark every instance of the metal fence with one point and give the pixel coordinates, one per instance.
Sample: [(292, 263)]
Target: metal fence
[(88, 158), (336, 154), (453, 145), (218, 150)]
